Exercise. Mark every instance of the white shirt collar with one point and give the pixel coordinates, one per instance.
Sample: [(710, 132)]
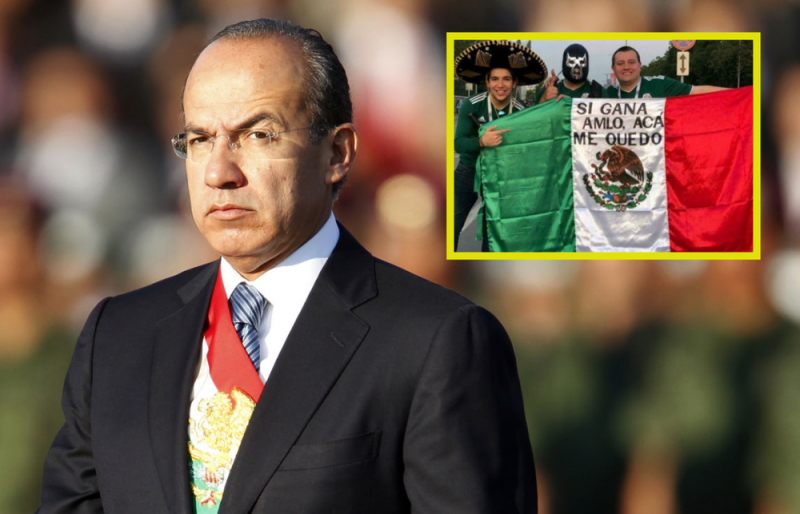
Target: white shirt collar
[(290, 281)]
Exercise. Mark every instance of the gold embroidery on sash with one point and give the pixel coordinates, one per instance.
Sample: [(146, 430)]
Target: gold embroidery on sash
[(217, 435)]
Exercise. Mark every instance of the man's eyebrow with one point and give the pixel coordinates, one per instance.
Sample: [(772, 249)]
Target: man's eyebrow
[(255, 120), (248, 123)]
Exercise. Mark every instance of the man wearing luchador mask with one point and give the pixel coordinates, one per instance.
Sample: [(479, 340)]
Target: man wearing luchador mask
[(576, 83)]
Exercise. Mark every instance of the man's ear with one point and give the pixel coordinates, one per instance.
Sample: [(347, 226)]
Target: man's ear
[(343, 145)]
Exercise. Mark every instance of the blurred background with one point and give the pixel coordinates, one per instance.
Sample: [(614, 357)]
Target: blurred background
[(650, 387)]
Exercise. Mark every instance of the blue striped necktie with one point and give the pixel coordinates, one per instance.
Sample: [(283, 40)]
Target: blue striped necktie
[(247, 307)]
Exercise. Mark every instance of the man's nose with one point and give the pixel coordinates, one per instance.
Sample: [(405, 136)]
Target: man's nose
[(223, 169)]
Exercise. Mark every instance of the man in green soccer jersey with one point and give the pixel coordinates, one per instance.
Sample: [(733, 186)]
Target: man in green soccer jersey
[(576, 83), (627, 67), (500, 66)]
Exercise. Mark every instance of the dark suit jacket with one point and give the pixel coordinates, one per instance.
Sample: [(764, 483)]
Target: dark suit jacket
[(391, 395)]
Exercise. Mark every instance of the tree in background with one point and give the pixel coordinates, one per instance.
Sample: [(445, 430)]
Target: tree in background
[(716, 63)]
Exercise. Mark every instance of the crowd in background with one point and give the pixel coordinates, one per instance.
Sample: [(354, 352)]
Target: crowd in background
[(658, 387)]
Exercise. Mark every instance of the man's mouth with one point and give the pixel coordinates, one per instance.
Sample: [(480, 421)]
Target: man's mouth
[(227, 211)]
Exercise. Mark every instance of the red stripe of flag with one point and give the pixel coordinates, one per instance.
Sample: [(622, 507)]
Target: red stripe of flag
[(709, 163)]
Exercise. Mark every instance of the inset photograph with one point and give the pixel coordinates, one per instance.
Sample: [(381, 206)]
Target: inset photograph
[(603, 148)]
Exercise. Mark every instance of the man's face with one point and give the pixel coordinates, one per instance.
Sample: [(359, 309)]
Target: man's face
[(255, 209), (575, 65), (627, 68), (500, 84)]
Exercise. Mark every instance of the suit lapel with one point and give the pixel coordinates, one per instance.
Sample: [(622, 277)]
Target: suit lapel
[(321, 343), (177, 350)]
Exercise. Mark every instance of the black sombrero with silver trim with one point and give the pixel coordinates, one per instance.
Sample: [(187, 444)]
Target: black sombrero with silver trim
[(474, 63)]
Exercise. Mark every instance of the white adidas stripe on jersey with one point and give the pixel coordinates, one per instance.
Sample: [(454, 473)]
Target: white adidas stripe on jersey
[(478, 98)]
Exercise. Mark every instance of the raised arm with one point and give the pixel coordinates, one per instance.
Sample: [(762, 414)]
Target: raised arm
[(699, 90)]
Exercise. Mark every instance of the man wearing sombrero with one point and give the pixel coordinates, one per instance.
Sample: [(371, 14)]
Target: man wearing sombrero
[(500, 66)]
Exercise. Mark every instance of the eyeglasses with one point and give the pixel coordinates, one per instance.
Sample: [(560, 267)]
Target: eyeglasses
[(250, 143)]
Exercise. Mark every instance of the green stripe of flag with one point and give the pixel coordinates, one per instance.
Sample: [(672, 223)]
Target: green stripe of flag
[(530, 201)]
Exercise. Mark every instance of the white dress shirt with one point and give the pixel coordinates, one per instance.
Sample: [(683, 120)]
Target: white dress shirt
[(286, 287)]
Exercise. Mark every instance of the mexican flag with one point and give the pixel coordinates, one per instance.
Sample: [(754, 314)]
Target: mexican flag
[(643, 175)]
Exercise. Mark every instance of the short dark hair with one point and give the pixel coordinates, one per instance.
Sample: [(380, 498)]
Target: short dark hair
[(625, 49), (327, 91), (489, 73)]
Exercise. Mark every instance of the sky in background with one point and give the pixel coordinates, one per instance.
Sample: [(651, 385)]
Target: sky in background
[(600, 53)]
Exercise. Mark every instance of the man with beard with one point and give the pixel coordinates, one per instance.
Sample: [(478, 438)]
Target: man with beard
[(576, 83)]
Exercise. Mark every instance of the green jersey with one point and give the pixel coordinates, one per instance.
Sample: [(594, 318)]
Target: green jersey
[(651, 87), (474, 112), (585, 91)]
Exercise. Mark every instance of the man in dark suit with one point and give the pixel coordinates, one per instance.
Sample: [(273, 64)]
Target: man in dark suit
[(299, 373)]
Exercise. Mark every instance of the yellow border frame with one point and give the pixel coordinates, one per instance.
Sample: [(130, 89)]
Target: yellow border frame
[(755, 37)]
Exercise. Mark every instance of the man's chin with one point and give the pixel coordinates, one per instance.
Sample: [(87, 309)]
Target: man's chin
[(231, 240), (246, 260)]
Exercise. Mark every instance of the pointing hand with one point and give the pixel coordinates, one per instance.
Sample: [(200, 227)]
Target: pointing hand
[(493, 137)]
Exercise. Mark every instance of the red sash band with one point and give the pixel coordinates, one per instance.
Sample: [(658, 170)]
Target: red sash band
[(228, 361)]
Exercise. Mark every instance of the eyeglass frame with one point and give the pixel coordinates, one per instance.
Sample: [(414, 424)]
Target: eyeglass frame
[(181, 139)]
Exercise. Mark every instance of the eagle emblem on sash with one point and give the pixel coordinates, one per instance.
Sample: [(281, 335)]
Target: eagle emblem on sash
[(215, 437)]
